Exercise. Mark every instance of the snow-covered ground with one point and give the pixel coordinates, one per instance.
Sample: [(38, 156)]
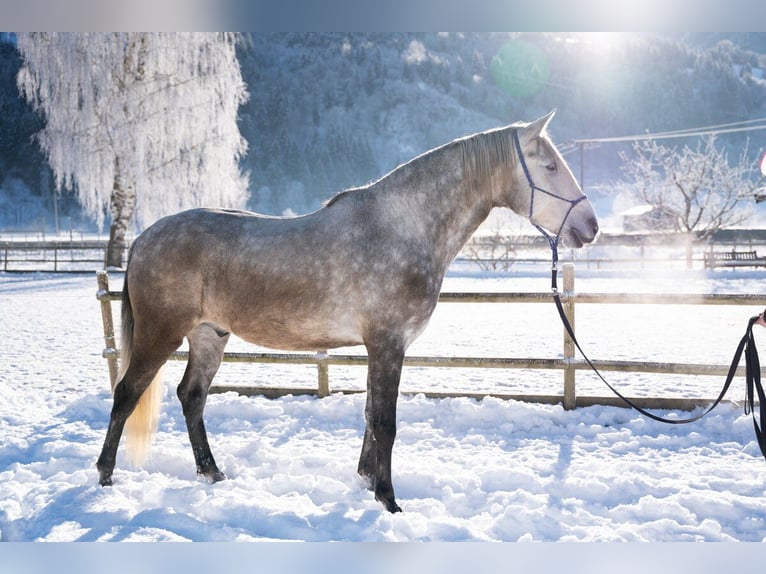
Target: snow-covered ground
[(463, 469)]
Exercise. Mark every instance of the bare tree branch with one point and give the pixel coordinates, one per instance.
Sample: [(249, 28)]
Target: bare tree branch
[(698, 187)]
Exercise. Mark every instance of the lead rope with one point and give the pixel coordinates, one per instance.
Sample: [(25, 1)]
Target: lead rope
[(746, 345)]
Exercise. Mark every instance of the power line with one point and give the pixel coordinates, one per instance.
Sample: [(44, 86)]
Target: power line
[(691, 132), (718, 126)]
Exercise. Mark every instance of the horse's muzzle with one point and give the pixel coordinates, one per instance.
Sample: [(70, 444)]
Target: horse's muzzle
[(579, 235)]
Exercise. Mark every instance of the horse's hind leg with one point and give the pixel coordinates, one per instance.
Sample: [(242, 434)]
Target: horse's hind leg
[(206, 345), (145, 362), (383, 373)]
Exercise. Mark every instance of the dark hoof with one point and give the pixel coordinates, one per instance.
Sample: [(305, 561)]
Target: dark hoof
[(390, 505), (105, 479), (213, 475)]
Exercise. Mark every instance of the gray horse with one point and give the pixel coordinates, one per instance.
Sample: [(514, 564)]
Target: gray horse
[(365, 269)]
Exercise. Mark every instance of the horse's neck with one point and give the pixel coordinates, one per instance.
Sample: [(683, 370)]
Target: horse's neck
[(435, 200)]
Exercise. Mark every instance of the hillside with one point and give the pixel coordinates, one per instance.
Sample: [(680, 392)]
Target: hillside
[(341, 109), (328, 111)]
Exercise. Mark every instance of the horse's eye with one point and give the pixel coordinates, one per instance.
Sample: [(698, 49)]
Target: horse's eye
[(551, 167)]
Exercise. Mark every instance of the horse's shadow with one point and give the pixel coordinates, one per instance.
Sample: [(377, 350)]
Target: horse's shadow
[(66, 507), (69, 508), (85, 513), (69, 511)]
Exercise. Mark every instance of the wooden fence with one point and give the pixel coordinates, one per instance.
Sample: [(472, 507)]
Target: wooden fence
[(568, 363), (71, 255), (59, 256), (87, 255)]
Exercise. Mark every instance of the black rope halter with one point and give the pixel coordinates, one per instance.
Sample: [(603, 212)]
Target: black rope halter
[(553, 239)]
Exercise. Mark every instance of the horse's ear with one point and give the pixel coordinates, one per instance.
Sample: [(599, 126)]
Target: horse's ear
[(534, 129)]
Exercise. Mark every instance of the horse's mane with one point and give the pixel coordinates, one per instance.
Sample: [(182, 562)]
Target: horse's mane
[(480, 152), (483, 150), (495, 147)]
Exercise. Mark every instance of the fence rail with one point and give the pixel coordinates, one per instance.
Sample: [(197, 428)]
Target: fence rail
[(60, 255), (53, 255), (568, 364), (70, 254)]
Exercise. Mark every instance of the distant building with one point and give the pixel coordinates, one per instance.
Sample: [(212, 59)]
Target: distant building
[(646, 218)]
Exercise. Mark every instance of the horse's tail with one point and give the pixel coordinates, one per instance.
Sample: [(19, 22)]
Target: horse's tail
[(142, 423)]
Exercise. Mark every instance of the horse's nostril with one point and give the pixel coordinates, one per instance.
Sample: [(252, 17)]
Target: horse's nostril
[(594, 226)]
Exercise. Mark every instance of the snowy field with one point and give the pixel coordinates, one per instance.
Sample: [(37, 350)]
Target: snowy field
[(463, 469)]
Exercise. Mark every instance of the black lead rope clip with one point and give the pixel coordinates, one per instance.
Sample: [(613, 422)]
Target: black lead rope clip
[(746, 345)]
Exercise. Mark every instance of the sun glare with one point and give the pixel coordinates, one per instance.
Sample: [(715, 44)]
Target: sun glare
[(601, 40)]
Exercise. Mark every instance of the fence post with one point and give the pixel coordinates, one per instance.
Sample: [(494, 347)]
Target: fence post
[(570, 397), (323, 375), (110, 352)]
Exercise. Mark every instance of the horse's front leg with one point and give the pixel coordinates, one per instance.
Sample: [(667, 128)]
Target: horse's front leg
[(383, 373)]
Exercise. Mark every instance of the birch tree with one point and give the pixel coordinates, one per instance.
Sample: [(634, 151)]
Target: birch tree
[(139, 125)]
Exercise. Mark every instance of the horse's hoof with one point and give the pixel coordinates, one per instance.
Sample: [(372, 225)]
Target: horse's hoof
[(391, 505), (105, 479), (213, 475)]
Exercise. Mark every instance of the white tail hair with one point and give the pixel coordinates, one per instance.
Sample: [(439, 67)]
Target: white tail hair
[(142, 423)]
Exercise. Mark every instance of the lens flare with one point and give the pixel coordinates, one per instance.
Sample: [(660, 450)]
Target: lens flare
[(520, 69)]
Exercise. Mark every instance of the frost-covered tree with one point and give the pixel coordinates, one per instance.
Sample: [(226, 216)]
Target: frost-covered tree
[(697, 189), (138, 124)]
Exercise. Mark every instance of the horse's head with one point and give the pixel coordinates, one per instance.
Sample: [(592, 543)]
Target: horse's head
[(546, 191)]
